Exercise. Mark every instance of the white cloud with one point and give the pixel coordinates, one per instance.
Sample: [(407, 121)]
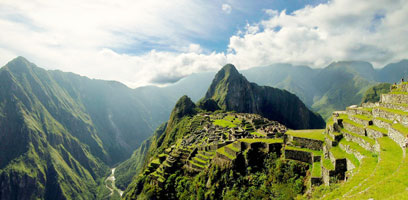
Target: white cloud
[(374, 31), (89, 37), (226, 8)]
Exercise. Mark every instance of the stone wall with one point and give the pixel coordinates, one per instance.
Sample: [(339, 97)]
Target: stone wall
[(360, 121), (354, 129), (403, 119), (395, 106), (397, 137), (361, 142), (394, 98), (230, 151), (308, 143), (302, 156), (275, 148), (381, 124), (373, 133), (349, 150)]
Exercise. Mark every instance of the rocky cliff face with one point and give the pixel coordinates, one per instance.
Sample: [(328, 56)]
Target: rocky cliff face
[(233, 92)]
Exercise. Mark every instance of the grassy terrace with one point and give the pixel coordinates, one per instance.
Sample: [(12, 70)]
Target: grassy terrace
[(399, 112), (224, 123), (199, 161), (363, 117), (231, 146), (327, 164), (367, 167), (315, 134), (196, 164), (316, 170), (348, 121), (400, 128), (257, 134), (393, 186), (339, 154), (367, 139), (265, 140), (384, 120), (376, 128), (398, 92), (223, 152), (390, 159), (356, 147), (315, 153)]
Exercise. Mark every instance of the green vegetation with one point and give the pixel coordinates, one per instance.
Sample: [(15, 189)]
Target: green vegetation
[(327, 164), (265, 140), (364, 117), (367, 139), (224, 123), (373, 94), (315, 134), (339, 154), (316, 170), (399, 112), (223, 152), (401, 128), (384, 120), (257, 134), (376, 128)]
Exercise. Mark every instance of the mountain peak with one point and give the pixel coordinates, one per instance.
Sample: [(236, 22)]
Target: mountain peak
[(184, 106)]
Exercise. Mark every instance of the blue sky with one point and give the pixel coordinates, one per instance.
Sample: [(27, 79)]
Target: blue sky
[(242, 12), (160, 41)]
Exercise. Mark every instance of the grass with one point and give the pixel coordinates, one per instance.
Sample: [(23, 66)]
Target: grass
[(399, 112), (222, 151), (199, 161), (376, 128), (393, 186), (231, 146), (316, 170), (196, 164), (327, 164), (400, 128), (315, 134), (348, 121), (356, 147), (257, 134), (339, 154), (390, 158), (364, 117), (384, 120), (367, 139), (224, 123), (315, 153), (265, 140)]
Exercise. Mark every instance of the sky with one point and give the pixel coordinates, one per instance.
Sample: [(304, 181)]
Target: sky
[(158, 42)]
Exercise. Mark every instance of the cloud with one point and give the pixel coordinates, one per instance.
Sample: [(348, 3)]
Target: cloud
[(374, 31), (97, 38), (226, 8)]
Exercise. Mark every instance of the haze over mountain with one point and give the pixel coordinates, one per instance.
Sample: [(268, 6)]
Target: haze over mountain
[(59, 132)]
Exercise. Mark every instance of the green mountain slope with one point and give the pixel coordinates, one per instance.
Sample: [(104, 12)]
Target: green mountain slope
[(233, 92), (373, 94), (59, 131)]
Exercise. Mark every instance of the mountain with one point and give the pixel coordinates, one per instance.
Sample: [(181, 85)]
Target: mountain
[(233, 92), (373, 94), (59, 132), (187, 161)]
